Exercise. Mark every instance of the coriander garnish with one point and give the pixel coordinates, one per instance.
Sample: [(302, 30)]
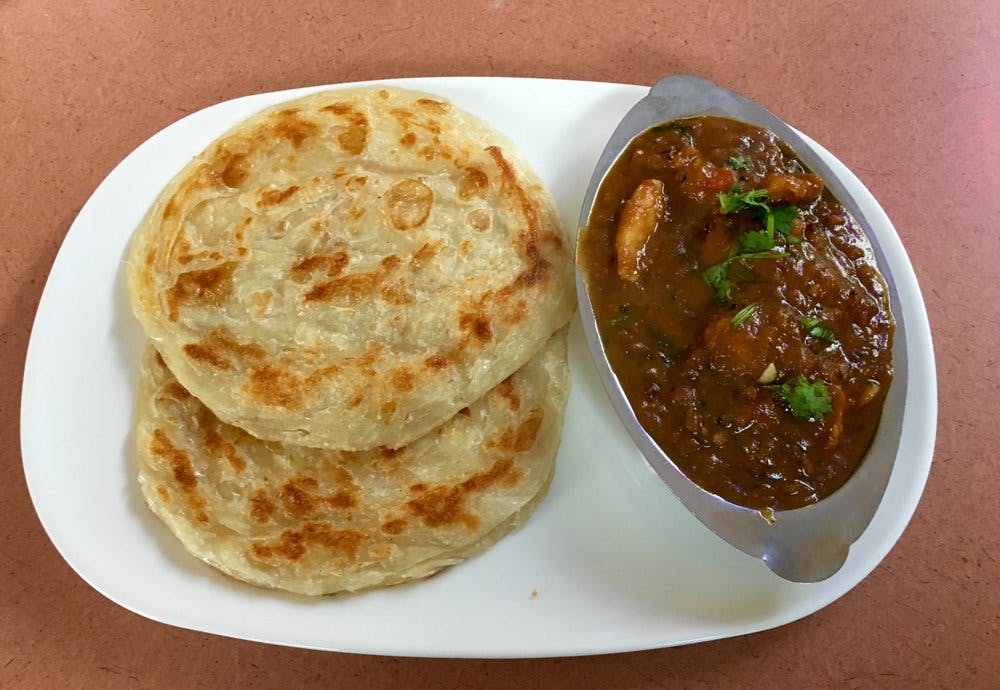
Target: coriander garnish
[(734, 200), (808, 401), (776, 219), (716, 276), (815, 328), (743, 314), (738, 163)]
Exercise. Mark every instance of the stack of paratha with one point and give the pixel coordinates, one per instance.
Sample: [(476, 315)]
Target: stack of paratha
[(357, 366)]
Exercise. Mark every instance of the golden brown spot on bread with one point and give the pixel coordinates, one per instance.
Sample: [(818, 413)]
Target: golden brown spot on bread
[(437, 362), (343, 499), (479, 219), (464, 248), (473, 182), (332, 264), (235, 170), (261, 507), (356, 183), (515, 313), (261, 301), (352, 140), (273, 197), (288, 124), (408, 139), (355, 287), (213, 442), (390, 262), (206, 354), (478, 325), (162, 492), (292, 544), (301, 500), (432, 105), (180, 465), (389, 459), (538, 267), (182, 248), (388, 409), (225, 339), (353, 115), (394, 527), (465, 412), (352, 288), (383, 93), (445, 505), (356, 400), (209, 287), (297, 497), (365, 362), (150, 257), (320, 375), (240, 233), (340, 475), (176, 391), (202, 178), (402, 379), (508, 392), (521, 438), (276, 387), (220, 342), (426, 252), (397, 294), (172, 208), (408, 203)]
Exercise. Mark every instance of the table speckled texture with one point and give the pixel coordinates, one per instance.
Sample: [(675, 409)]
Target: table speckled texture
[(907, 93)]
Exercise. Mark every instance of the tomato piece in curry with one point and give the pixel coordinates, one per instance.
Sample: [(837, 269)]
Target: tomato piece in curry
[(741, 310)]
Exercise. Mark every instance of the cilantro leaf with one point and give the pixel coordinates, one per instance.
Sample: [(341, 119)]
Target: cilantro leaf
[(806, 400), (717, 278), (783, 217), (816, 329), (738, 163), (619, 320), (755, 241), (743, 314), (734, 200)]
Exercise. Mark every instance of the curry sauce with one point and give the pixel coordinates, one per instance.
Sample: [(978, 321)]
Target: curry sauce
[(741, 309)]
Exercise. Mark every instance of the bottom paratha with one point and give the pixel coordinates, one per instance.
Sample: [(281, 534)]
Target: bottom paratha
[(318, 521)]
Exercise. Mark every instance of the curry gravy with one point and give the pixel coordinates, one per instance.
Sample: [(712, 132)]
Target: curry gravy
[(763, 378)]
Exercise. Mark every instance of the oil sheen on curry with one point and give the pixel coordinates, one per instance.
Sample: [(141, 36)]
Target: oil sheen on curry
[(741, 309)]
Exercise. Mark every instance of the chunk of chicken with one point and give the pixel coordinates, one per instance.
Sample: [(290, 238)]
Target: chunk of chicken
[(798, 190), (643, 210), (704, 181)]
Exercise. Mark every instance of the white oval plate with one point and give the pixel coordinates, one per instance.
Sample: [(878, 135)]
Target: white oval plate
[(610, 562)]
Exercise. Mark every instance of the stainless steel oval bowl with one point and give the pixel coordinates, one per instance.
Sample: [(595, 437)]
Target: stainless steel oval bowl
[(806, 544)]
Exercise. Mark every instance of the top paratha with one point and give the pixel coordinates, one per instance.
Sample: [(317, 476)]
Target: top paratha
[(350, 269)]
